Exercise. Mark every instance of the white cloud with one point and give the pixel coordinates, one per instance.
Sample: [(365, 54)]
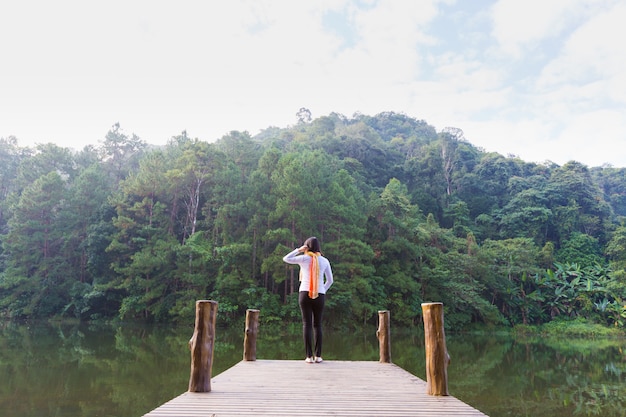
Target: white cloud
[(595, 134), (528, 78), (520, 24), (593, 51)]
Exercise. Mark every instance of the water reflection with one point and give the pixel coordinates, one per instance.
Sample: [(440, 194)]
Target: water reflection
[(539, 377), (127, 370), (87, 370)]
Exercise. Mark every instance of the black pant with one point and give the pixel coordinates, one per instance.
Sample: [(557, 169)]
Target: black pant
[(312, 310)]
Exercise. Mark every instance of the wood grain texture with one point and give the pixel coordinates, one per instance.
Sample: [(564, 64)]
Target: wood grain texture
[(384, 336), (201, 346), (250, 335), (437, 357), (331, 388)]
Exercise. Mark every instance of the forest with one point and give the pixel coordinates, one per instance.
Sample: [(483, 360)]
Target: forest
[(126, 231)]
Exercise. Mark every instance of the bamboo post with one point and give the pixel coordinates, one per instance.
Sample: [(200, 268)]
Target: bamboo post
[(201, 345), (251, 332), (384, 339), (437, 357)]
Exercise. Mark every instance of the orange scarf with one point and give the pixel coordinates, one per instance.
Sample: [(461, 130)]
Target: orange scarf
[(314, 274)]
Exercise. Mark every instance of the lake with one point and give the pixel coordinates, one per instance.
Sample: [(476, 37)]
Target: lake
[(98, 370)]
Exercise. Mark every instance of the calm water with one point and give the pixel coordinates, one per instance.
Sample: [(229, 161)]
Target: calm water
[(127, 370)]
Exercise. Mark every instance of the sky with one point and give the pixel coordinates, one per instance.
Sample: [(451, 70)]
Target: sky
[(544, 80)]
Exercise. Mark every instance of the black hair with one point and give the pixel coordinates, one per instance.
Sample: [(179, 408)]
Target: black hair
[(313, 244)]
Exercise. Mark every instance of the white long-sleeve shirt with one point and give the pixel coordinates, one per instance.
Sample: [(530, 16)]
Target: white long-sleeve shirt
[(326, 273)]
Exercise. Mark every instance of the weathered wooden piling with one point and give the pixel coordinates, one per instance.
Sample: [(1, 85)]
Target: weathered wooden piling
[(384, 337), (201, 345), (251, 333), (437, 357), (244, 389)]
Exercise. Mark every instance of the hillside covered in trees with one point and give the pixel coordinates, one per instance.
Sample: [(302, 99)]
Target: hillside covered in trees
[(406, 215)]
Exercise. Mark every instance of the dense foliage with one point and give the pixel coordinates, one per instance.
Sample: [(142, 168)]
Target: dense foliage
[(406, 215)]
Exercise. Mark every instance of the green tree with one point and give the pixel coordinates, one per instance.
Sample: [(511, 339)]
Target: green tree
[(426, 181), (357, 291), (580, 249), (191, 174), (36, 278), (10, 159), (144, 250), (120, 152), (86, 197), (393, 220), (616, 252), (511, 262), (46, 158), (576, 202)]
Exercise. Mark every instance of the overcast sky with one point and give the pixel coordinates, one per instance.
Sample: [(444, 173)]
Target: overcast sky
[(541, 79)]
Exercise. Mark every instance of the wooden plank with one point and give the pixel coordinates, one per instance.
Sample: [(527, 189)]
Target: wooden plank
[(331, 388)]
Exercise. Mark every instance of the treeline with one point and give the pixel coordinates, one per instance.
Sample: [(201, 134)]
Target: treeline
[(406, 215)]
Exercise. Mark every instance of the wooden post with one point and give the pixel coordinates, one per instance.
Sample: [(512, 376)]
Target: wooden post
[(201, 346), (384, 339), (251, 332), (437, 357)]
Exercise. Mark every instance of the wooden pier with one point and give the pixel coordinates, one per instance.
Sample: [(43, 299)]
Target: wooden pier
[(331, 388), (281, 388)]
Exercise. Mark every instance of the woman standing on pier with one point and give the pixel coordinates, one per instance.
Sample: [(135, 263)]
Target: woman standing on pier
[(316, 277)]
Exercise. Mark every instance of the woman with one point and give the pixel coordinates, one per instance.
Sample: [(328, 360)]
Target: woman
[(316, 277)]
